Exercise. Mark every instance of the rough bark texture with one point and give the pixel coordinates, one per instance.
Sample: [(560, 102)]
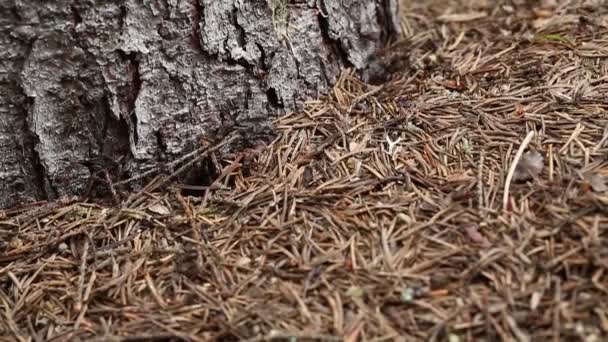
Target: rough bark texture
[(123, 85)]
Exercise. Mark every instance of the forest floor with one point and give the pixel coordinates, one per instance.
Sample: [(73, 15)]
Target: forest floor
[(464, 200)]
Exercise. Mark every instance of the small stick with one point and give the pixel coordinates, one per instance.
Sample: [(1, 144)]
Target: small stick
[(362, 97), (577, 131), (480, 180), (85, 300), (520, 151), (83, 268), (551, 162), (111, 187), (227, 170), (556, 312)]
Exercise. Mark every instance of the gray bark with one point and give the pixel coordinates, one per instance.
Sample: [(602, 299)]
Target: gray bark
[(123, 85)]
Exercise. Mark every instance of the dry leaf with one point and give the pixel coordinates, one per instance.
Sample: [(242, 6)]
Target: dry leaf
[(355, 292), (15, 243), (519, 110), (453, 84), (476, 236), (243, 261), (530, 165), (543, 24), (542, 13), (460, 177), (597, 182), (535, 300), (159, 209)]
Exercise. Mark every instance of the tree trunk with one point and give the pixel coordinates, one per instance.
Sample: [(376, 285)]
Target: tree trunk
[(93, 85)]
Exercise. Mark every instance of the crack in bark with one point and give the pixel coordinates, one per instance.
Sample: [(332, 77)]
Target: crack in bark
[(115, 138), (242, 41), (162, 145), (123, 16), (262, 65), (334, 44), (42, 184), (106, 125), (273, 98), (29, 141), (248, 96), (76, 17), (106, 131), (240, 31), (135, 84), (197, 19), (258, 71), (40, 176), (15, 12)]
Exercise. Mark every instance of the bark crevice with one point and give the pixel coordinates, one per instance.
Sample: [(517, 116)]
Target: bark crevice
[(30, 142), (76, 17), (40, 173), (335, 45), (136, 83)]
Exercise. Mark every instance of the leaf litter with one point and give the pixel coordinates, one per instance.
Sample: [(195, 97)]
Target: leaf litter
[(375, 214)]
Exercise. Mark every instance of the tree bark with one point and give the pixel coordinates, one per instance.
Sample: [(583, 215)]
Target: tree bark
[(94, 85)]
